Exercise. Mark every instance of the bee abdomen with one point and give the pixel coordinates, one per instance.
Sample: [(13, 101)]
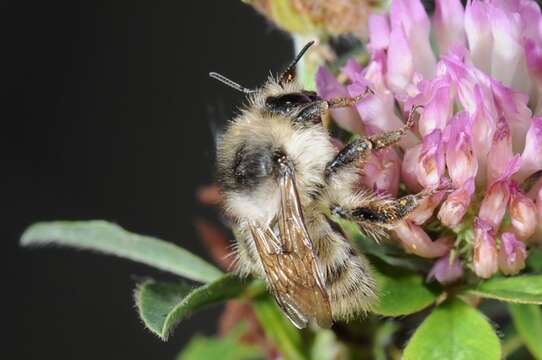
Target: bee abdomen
[(349, 280), (351, 287)]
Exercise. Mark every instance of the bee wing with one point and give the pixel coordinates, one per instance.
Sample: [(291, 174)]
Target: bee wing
[(290, 263)]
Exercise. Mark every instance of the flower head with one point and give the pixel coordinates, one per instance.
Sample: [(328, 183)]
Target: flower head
[(479, 130)]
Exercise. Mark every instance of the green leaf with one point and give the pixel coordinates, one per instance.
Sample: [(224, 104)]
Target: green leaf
[(278, 328), (113, 240), (523, 289), (224, 348), (162, 306), (388, 253), (454, 331), (534, 260), (401, 292), (528, 323)]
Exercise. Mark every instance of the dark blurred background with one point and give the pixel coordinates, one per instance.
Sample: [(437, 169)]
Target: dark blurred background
[(107, 112)]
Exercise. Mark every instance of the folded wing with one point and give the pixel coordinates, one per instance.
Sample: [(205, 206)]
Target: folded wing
[(290, 263)]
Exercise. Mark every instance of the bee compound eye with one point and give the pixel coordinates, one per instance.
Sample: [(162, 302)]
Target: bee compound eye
[(284, 104)]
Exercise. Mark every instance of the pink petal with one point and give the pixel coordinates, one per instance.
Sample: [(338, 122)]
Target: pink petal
[(513, 106), (446, 271), (409, 14), (531, 158), (400, 61), (431, 160), (512, 254), (352, 69), (416, 241), (377, 111), (328, 88), (507, 58), (381, 172), (522, 212), (479, 36), (531, 18), (460, 159), (537, 238), (375, 73), (410, 17), (409, 168), (448, 23), (485, 251), (379, 32), (425, 209), (436, 98), (494, 204), (483, 130), (456, 205), (500, 152), (533, 53), (467, 79)]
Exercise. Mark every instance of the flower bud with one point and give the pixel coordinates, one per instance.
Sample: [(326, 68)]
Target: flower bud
[(416, 241), (446, 271), (485, 251), (494, 204), (531, 158), (431, 160), (460, 159), (522, 212), (512, 254), (501, 151), (456, 205)]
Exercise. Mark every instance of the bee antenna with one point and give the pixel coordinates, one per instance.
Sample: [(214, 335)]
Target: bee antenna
[(230, 83), (288, 74)]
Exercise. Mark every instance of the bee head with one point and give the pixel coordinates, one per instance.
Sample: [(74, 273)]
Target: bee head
[(282, 97)]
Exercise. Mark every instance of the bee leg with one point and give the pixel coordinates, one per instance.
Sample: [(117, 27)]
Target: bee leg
[(389, 138), (313, 112), (359, 148), (383, 211), (348, 101), (353, 151)]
